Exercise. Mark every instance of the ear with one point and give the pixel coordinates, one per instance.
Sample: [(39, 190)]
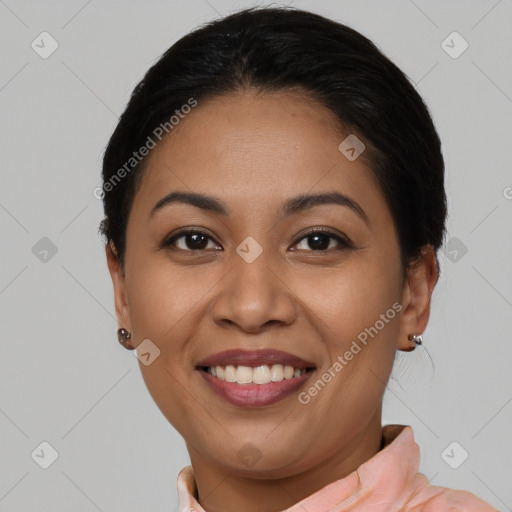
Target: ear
[(118, 280), (416, 295)]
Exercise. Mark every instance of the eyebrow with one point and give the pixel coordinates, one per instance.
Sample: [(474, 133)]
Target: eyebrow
[(292, 206)]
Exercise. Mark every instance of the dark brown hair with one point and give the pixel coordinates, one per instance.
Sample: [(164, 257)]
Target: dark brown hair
[(280, 48)]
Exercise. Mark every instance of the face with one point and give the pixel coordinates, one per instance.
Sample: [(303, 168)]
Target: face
[(250, 277)]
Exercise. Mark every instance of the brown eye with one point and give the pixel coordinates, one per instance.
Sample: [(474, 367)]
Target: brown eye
[(190, 241), (322, 240), (316, 240)]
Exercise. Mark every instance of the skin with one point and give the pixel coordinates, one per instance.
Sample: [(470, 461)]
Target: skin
[(253, 152)]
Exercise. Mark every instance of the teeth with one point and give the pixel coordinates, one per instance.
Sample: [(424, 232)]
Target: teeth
[(258, 375), (277, 372), (244, 375), (261, 375), (230, 375), (288, 372)]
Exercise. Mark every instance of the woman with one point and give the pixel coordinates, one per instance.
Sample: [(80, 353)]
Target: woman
[(274, 202)]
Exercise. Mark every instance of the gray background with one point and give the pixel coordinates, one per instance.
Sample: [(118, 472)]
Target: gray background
[(64, 378)]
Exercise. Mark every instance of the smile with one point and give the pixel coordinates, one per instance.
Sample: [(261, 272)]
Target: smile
[(288, 380), (263, 374)]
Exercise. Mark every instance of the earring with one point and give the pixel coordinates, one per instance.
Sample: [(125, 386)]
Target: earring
[(412, 370), (123, 336), (418, 340)]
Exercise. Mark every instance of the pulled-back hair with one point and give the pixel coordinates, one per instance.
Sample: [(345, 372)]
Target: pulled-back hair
[(279, 49)]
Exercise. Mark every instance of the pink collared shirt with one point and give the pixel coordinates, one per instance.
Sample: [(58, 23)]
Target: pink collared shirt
[(388, 482)]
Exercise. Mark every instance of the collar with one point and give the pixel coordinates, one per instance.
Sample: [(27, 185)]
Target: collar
[(389, 476), (388, 481)]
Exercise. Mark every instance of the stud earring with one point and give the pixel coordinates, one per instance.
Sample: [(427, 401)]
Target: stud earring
[(418, 340), (123, 336)]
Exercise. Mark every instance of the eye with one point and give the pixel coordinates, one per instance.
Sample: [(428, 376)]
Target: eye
[(319, 239), (191, 240)]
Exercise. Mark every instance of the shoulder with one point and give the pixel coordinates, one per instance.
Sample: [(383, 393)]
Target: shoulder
[(443, 499)]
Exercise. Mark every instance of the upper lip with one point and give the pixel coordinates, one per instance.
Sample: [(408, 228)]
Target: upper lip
[(254, 358)]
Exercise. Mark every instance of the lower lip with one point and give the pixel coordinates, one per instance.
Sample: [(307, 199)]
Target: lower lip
[(255, 395)]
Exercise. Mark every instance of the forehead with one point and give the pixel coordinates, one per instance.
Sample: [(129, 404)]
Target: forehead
[(256, 148)]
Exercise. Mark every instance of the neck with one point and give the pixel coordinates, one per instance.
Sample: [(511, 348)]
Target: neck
[(222, 490)]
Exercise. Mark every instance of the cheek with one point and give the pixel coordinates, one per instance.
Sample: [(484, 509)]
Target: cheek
[(163, 305), (161, 298), (356, 311), (350, 298)]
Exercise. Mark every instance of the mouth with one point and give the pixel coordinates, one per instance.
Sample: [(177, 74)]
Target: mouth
[(255, 378), (259, 375)]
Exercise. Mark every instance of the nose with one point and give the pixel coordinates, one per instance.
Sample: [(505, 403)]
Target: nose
[(253, 297)]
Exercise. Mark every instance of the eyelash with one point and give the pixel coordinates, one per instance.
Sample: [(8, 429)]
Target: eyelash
[(344, 243)]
